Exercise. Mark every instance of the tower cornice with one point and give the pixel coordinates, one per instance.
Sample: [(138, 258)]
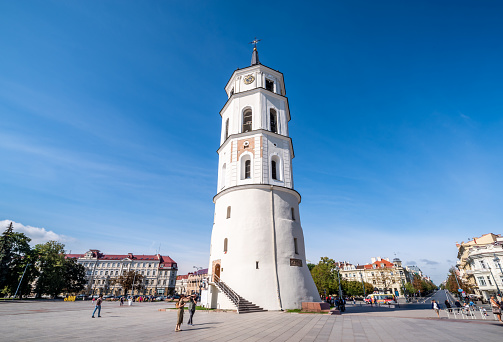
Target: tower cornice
[(257, 186), (252, 133), (253, 67), (255, 90)]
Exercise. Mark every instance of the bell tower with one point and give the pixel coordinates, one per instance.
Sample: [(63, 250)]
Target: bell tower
[(257, 243)]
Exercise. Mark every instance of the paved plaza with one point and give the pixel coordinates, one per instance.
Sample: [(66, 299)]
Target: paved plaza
[(71, 321)]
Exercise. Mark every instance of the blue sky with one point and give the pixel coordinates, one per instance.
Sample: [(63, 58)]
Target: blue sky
[(109, 122)]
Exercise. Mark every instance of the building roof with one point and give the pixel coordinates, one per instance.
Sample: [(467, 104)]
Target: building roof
[(377, 263), (164, 260)]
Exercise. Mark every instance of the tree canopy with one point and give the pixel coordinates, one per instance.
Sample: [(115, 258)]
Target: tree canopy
[(45, 266)]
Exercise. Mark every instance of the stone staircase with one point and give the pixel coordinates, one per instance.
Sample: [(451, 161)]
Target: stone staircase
[(242, 305)]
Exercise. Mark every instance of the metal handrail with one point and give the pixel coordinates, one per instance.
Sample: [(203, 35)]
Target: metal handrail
[(230, 292)]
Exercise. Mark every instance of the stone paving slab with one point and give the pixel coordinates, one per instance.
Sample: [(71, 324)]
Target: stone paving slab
[(71, 321)]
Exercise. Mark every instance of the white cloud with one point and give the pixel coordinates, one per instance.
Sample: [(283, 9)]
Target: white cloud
[(37, 235)]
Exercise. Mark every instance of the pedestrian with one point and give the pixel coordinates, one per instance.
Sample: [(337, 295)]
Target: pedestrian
[(434, 306), (122, 300), (130, 301), (192, 309), (448, 305), (179, 318), (98, 306), (457, 304), (496, 306)]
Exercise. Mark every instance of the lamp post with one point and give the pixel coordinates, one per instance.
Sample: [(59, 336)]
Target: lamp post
[(132, 285), (456, 277), (403, 286), (363, 284), (199, 280), (495, 283), (15, 294)]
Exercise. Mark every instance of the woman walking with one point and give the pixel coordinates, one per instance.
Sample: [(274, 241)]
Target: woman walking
[(181, 307), (496, 308)]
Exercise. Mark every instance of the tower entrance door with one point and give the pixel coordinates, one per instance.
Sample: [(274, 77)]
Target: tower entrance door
[(216, 269)]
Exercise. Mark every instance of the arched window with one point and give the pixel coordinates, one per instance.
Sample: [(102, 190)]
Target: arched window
[(247, 120), (246, 166), (248, 169), (275, 165), (222, 176), (293, 214), (226, 128), (225, 245), (229, 212), (273, 118)]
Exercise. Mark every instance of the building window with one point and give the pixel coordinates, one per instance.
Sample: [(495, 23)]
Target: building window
[(226, 128), (225, 245), (248, 169), (295, 245), (256, 265), (247, 120), (269, 85), (274, 170), (482, 264), (293, 214), (276, 173), (481, 280), (489, 281), (229, 212), (273, 119)]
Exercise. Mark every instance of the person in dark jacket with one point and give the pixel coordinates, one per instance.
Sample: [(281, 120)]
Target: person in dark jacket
[(192, 309)]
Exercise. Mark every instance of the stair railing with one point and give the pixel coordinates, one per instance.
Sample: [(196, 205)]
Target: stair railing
[(227, 290)]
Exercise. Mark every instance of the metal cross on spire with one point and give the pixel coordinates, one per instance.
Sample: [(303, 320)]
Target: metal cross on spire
[(254, 42)]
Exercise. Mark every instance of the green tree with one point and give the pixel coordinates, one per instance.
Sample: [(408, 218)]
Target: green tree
[(6, 255), (409, 289), (310, 266), (15, 255), (452, 285), (51, 267), (325, 276), (355, 288), (128, 279), (75, 276)]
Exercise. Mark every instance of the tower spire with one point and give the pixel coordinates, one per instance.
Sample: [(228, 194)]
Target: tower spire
[(255, 59)]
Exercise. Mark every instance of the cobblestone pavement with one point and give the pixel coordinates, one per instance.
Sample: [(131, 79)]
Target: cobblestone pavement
[(71, 321)]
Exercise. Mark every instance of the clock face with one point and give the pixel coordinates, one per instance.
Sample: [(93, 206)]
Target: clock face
[(249, 79)]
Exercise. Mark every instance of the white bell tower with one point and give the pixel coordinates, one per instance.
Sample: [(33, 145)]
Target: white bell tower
[(257, 245)]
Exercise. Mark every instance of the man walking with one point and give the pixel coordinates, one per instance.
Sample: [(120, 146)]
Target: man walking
[(435, 307), (192, 309), (98, 306)]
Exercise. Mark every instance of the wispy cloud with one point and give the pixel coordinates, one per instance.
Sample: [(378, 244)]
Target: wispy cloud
[(429, 262), (37, 235)]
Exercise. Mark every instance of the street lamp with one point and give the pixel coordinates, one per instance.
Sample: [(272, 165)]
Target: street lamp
[(363, 284), (132, 285), (199, 280), (497, 262), (497, 287), (15, 294)]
